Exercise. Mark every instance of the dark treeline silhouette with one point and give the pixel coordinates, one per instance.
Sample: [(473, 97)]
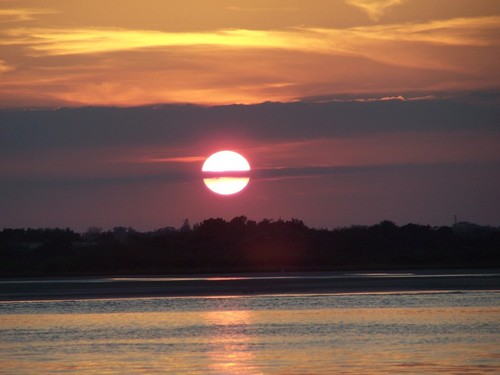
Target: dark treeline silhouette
[(242, 245)]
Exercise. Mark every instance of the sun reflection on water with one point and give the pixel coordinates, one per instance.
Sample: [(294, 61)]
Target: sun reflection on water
[(230, 345), (240, 335)]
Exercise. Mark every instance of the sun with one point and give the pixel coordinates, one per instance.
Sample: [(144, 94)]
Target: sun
[(226, 172)]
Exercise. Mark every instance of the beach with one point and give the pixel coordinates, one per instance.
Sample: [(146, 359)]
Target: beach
[(248, 284)]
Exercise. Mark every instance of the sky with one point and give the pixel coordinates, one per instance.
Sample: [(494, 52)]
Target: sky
[(349, 112)]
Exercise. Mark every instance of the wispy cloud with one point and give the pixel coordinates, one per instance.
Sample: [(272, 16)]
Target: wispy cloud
[(479, 31), (375, 8), (98, 40), (319, 171), (261, 9), (121, 66), (4, 67), (176, 159), (474, 31), (22, 14)]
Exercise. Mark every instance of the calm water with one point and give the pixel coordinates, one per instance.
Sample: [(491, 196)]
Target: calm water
[(443, 332)]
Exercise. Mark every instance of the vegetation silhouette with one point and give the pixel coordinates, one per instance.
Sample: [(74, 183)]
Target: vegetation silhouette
[(242, 245)]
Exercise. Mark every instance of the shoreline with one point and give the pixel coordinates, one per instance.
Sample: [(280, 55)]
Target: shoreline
[(33, 289)]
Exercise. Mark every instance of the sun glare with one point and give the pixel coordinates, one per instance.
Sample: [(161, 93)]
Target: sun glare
[(224, 161), (226, 172)]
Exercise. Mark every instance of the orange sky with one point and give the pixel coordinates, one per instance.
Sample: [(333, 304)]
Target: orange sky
[(355, 110), (85, 52)]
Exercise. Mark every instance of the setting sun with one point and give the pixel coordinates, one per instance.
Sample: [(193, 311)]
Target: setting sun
[(226, 172)]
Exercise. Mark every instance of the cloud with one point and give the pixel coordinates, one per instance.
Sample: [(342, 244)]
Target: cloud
[(374, 8), (4, 67), (319, 171), (176, 159), (37, 181), (172, 125), (262, 9), (55, 42), (118, 66), (22, 14), (473, 31), (162, 144), (477, 31)]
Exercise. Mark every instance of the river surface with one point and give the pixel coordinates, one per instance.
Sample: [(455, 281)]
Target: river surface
[(346, 333)]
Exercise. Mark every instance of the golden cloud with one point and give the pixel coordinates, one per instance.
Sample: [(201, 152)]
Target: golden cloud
[(478, 31), (130, 67), (93, 40)]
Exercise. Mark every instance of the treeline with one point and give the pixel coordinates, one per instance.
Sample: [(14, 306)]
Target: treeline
[(242, 245)]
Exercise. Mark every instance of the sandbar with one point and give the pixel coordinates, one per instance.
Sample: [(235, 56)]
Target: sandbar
[(248, 284)]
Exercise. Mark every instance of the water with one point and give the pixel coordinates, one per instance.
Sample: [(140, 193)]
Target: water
[(438, 332)]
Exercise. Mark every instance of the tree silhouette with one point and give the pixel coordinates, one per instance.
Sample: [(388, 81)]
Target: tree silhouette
[(243, 245)]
